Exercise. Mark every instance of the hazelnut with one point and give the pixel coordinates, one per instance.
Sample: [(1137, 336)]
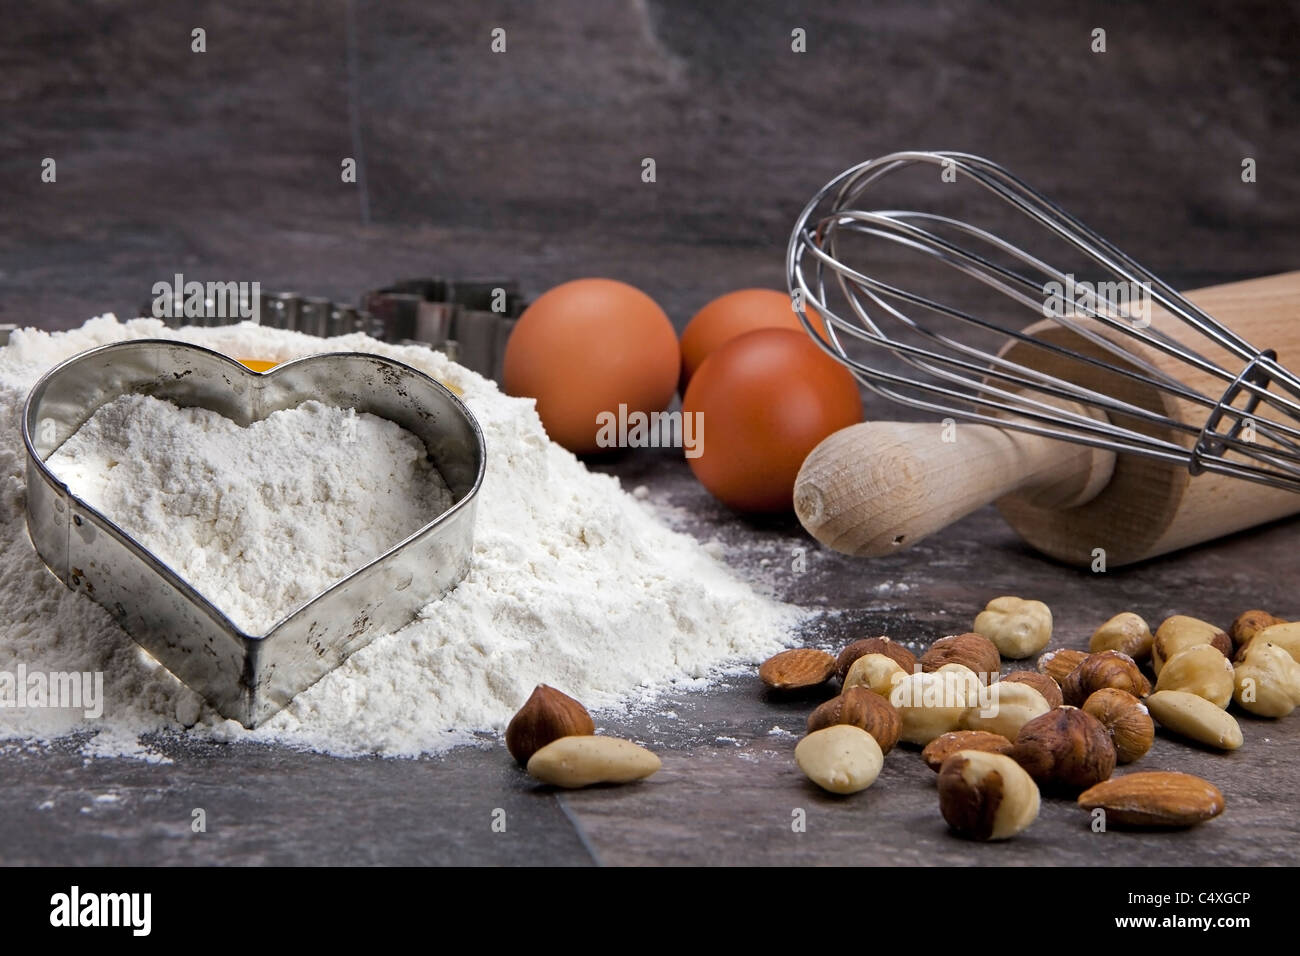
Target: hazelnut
[(1126, 719), (945, 745), (971, 650), (1058, 664), (1286, 636), (1107, 669), (986, 796), (1126, 633), (840, 758), (876, 672), (1199, 670), (859, 707), (1180, 632), (546, 716), (797, 668), (1017, 628), (1049, 688), (1250, 623), (1065, 749), (934, 703), (1267, 681), (1005, 707), (874, 645), (962, 682)]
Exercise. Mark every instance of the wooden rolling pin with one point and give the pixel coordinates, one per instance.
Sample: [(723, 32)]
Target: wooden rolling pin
[(879, 486)]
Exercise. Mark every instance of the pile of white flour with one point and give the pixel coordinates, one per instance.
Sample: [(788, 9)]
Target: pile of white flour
[(575, 583), (259, 519)]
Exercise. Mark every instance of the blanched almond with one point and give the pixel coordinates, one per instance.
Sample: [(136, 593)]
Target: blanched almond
[(1195, 718), (582, 761)]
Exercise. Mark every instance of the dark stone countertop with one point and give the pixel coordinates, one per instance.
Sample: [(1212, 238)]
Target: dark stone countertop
[(225, 166)]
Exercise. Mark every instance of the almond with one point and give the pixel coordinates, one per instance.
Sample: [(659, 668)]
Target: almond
[(1155, 799), (573, 762), (941, 748), (546, 716), (1195, 718), (799, 667)]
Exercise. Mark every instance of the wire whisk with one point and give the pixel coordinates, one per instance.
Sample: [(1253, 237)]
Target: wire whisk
[(1124, 363)]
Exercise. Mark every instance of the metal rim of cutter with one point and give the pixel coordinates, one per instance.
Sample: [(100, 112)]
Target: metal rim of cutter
[(248, 677)]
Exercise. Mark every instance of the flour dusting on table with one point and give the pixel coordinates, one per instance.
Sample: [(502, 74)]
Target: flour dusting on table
[(575, 583)]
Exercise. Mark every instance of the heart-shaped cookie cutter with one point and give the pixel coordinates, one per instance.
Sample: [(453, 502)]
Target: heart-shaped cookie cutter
[(247, 677)]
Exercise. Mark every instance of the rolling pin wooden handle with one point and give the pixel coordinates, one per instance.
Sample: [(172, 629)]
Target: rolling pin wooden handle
[(879, 486)]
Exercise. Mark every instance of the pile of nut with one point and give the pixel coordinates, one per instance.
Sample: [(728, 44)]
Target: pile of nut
[(554, 738), (995, 740)]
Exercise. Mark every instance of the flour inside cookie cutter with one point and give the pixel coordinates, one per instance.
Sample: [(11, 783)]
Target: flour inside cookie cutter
[(248, 677)]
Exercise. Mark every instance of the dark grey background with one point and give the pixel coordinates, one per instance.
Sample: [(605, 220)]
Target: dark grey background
[(528, 162), (225, 165)]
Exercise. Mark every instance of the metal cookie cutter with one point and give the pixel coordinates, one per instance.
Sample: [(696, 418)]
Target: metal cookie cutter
[(247, 677), (468, 319)]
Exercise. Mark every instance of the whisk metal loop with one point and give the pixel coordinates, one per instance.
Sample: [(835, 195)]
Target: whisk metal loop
[(1118, 380), (1211, 442)]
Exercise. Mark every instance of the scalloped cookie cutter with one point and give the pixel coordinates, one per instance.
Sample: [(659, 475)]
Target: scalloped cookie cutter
[(248, 677)]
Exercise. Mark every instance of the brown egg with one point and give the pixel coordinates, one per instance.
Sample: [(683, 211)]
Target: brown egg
[(766, 399), (732, 315), (587, 347)]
